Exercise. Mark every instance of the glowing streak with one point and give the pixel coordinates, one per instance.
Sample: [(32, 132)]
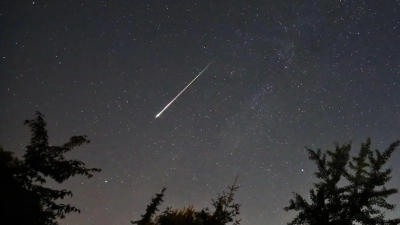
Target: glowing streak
[(184, 89)]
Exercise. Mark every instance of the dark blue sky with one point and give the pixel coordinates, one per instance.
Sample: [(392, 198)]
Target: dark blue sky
[(289, 74)]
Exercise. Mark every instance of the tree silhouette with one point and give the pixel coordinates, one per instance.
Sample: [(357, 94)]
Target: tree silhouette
[(225, 212), (151, 209), (24, 199), (362, 198)]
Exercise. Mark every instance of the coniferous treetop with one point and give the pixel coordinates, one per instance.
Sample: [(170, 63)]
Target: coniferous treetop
[(362, 200)]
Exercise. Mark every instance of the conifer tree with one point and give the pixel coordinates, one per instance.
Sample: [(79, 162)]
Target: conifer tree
[(359, 201), (151, 209)]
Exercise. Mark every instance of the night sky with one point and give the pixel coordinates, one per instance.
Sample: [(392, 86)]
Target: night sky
[(287, 74)]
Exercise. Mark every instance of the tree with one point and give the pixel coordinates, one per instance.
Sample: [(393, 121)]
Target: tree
[(225, 212), (24, 199), (362, 198), (151, 209)]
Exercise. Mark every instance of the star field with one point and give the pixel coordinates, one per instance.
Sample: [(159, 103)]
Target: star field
[(288, 74)]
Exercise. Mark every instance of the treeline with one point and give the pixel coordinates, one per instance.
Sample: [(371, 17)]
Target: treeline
[(362, 200)]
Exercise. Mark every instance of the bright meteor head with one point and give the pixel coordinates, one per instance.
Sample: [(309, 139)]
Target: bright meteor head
[(185, 88)]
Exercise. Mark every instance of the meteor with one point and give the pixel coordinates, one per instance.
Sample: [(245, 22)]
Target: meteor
[(185, 88)]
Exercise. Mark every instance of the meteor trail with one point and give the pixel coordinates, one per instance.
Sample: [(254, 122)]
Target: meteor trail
[(185, 88)]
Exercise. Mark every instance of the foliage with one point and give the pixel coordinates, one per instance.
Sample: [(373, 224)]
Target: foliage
[(360, 200), (225, 211), (26, 200), (184, 216), (151, 209)]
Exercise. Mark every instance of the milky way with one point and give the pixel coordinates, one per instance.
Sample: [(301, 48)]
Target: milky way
[(292, 74)]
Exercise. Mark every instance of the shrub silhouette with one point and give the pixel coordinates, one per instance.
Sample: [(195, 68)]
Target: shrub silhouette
[(225, 211)]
